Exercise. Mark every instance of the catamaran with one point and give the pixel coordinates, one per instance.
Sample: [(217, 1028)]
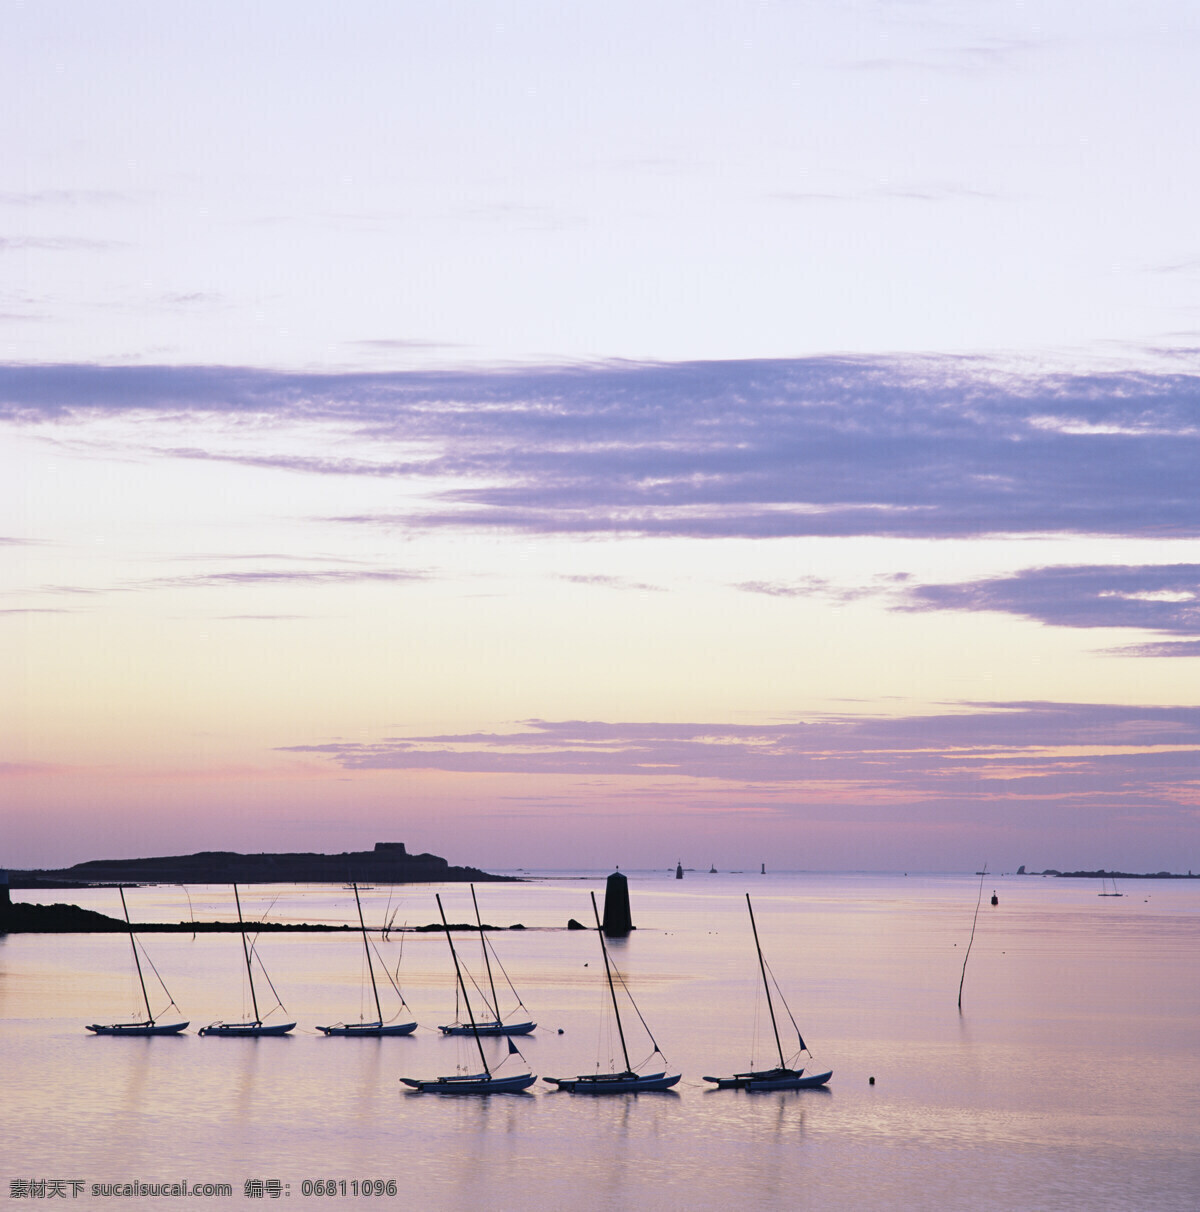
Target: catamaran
[(151, 1026), (628, 1081), (495, 1025), (783, 1076), (256, 1026), (471, 1083), (378, 1027)]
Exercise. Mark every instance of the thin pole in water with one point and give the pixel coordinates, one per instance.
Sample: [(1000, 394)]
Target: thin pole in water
[(978, 902)]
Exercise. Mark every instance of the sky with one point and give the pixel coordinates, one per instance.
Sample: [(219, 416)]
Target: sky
[(574, 436)]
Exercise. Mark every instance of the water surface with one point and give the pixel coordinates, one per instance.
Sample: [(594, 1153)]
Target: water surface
[(1069, 1080)]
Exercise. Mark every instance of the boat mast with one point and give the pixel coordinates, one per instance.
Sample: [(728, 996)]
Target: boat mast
[(367, 949), (766, 985), (611, 990), (462, 985), (487, 962), (136, 960), (246, 953)]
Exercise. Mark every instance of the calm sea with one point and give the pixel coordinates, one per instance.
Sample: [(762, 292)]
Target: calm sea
[(1071, 1079)]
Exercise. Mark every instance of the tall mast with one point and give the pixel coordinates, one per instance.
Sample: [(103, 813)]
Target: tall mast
[(367, 949), (766, 985), (462, 985), (487, 962), (611, 990), (136, 960), (246, 953)]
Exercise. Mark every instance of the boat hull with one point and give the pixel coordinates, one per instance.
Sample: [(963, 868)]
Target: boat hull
[(772, 1080), (488, 1029), (369, 1030), (137, 1028), (246, 1029), (478, 1084), (615, 1083)]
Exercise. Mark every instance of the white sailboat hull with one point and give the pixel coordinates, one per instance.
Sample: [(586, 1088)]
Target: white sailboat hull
[(137, 1028), (369, 1029), (243, 1029), (488, 1029), (479, 1083), (614, 1083), (772, 1079)]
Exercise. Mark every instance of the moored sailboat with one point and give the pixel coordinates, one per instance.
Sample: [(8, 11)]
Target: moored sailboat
[(378, 1026), (783, 1076), (629, 1081), (495, 1025), (255, 1026), (473, 1083), (151, 1026)]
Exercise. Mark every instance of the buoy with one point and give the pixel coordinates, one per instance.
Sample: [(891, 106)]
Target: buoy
[(995, 899), (870, 1081)]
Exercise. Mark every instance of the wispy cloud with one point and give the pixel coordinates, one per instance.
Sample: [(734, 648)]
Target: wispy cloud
[(1101, 758), (56, 244), (273, 576), (66, 197), (606, 582), (386, 343), (1155, 597), (909, 447)]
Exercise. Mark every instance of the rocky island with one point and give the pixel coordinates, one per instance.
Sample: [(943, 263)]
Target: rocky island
[(387, 863)]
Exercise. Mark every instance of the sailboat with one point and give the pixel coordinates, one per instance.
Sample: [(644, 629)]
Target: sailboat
[(782, 1077), (1104, 886), (495, 1025), (472, 1083), (151, 1026), (615, 1083), (255, 1026), (378, 1027)]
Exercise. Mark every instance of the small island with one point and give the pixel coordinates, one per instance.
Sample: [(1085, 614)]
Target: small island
[(387, 863)]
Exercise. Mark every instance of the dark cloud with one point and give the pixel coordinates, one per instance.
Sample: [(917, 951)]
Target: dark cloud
[(918, 447), (1087, 755), (1155, 597)]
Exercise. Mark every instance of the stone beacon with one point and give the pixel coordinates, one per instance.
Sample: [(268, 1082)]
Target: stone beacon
[(617, 920)]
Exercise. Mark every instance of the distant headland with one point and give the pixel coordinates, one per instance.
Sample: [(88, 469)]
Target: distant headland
[(388, 863), (1110, 875)]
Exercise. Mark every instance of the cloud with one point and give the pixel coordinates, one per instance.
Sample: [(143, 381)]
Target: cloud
[(606, 582), (65, 197), (252, 578), (1096, 757), (902, 447), (56, 244), (385, 343), (1155, 597)]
